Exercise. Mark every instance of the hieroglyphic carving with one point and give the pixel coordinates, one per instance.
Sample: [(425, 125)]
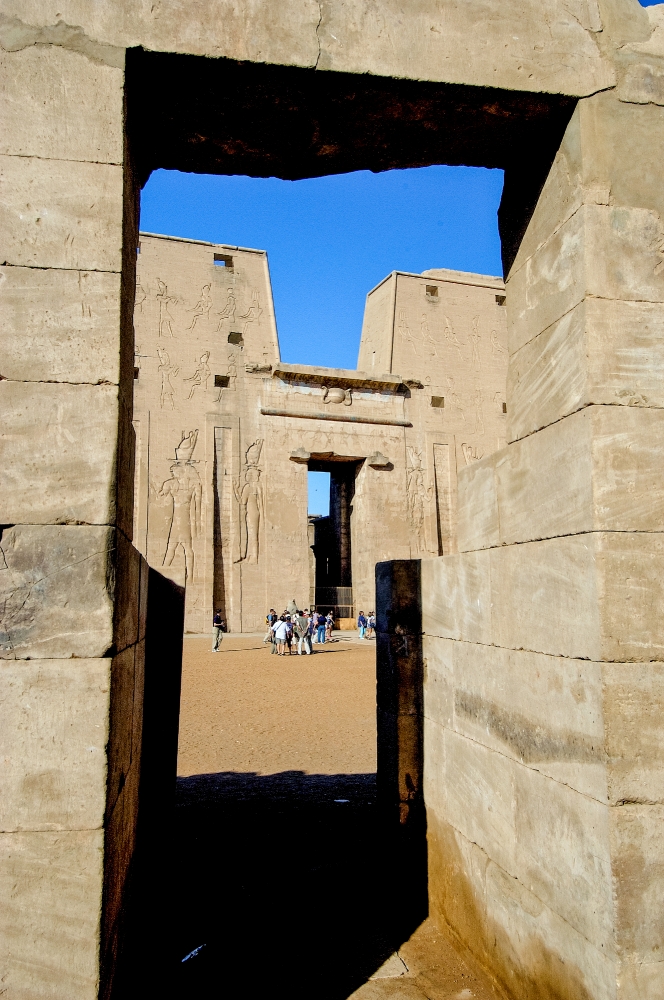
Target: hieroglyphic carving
[(475, 341), (223, 514), (496, 347), (253, 314), (455, 398), (250, 499), (451, 337), (478, 396), (141, 296), (232, 371), (185, 492), (166, 370), (471, 453), (201, 375), (138, 356), (185, 450), (499, 401), (337, 395), (202, 307), (443, 486), (404, 330), (228, 312), (418, 494), (165, 300), (427, 338)]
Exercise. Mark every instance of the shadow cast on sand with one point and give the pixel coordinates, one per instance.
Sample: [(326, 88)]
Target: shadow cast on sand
[(290, 881)]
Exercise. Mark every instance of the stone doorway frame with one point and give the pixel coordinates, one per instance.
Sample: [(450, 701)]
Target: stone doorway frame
[(309, 134), (81, 154)]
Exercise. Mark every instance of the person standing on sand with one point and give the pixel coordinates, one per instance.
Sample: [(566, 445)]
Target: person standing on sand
[(217, 630), (302, 633), (280, 629), (270, 619), (289, 635), (361, 625)]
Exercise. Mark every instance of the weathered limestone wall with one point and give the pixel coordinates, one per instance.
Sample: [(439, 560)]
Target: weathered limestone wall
[(517, 46), (70, 580), (543, 640), (445, 332), (224, 431)]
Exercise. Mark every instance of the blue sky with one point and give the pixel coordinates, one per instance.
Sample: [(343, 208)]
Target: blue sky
[(331, 239)]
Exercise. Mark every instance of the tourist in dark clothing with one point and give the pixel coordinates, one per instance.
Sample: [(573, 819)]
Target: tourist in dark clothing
[(217, 630)]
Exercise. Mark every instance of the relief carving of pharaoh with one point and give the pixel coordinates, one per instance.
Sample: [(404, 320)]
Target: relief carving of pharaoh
[(418, 493), (250, 499), (184, 490)]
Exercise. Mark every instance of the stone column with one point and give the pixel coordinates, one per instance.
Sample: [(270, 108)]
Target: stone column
[(341, 494), (544, 637), (72, 626)]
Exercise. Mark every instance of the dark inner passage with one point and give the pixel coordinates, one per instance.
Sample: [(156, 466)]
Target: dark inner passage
[(332, 545), (288, 889)]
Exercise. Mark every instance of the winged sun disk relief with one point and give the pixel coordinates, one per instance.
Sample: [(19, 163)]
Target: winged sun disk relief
[(337, 395)]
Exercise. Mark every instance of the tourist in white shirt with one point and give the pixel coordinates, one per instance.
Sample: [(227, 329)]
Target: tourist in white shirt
[(280, 629)]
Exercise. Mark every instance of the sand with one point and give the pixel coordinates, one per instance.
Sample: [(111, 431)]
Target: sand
[(243, 709)]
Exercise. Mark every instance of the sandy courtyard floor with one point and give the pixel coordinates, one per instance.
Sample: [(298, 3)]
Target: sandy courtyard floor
[(243, 709), (290, 871)]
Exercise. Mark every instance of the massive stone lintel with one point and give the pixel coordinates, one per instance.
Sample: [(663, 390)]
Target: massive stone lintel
[(341, 377)]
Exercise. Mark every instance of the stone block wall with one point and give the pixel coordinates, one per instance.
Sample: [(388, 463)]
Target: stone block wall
[(585, 300), (542, 639), (69, 578)]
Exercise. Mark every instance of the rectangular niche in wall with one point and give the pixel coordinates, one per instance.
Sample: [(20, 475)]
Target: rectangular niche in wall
[(223, 260), (438, 401), (235, 338), (221, 381)]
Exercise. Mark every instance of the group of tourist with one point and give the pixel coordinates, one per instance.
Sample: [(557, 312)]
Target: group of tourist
[(306, 627), (366, 625)]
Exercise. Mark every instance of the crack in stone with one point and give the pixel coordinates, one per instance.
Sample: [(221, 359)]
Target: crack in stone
[(16, 35), (10, 615), (62, 159), (57, 381), (527, 649), (320, 19)]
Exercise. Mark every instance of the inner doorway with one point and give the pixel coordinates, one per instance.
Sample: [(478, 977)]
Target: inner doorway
[(332, 544), (211, 115)]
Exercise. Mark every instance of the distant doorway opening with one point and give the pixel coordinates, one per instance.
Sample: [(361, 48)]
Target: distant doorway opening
[(331, 540)]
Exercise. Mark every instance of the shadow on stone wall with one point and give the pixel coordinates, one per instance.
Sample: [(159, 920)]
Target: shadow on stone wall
[(145, 712)]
